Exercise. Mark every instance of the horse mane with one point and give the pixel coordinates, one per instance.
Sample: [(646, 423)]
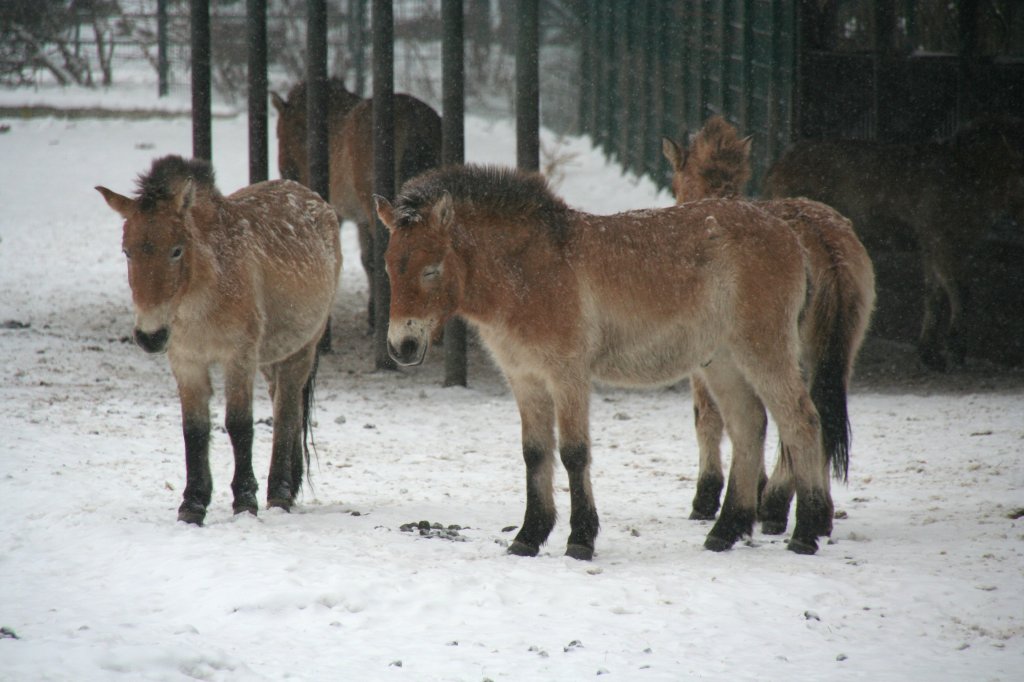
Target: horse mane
[(166, 175), (721, 156), (523, 196)]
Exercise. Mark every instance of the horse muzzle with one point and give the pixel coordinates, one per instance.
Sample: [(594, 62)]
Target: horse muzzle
[(409, 353), (155, 342)]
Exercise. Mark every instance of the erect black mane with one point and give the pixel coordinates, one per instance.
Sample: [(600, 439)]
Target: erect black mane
[(518, 195), (166, 176)]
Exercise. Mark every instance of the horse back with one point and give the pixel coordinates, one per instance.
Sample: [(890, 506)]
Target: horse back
[(678, 283), (417, 149)]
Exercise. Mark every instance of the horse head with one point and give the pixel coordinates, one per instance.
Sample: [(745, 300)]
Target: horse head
[(156, 243), (291, 134), (716, 164), (422, 270)]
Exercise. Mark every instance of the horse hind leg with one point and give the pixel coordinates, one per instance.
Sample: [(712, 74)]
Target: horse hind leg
[(745, 421), (572, 406), (709, 427), (776, 498), (290, 377)]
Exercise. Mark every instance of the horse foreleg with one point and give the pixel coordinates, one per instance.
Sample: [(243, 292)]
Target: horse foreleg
[(195, 391), (238, 381), (572, 404), (537, 413), (929, 343), (289, 379), (709, 426), (746, 421)]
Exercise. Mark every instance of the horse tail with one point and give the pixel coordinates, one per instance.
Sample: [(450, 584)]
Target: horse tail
[(840, 313), (308, 400)]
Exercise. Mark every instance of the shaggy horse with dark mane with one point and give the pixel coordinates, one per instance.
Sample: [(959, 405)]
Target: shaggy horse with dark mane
[(350, 154), (842, 292), (246, 282), (643, 298)]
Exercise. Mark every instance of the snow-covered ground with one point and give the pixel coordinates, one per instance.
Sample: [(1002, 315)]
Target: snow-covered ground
[(97, 581)]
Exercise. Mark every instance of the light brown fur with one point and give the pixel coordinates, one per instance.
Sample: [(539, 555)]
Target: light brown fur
[(842, 291), (245, 282), (350, 162), (940, 197), (562, 297)]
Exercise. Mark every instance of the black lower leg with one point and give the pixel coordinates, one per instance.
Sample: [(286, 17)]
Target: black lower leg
[(733, 523), (198, 480), (540, 517), (709, 491), (813, 519), (583, 520), (280, 487), (774, 509), (243, 485)]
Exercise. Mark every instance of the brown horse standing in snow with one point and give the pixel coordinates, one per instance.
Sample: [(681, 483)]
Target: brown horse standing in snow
[(350, 154), (841, 295), (561, 297), (244, 281)]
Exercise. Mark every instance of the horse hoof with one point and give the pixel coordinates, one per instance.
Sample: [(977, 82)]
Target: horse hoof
[(579, 552), (190, 516), (279, 503), (697, 515), (518, 548), (717, 544), (802, 546), (242, 508), (769, 527)]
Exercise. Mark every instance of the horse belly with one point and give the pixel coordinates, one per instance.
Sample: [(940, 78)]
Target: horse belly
[(648, 357)]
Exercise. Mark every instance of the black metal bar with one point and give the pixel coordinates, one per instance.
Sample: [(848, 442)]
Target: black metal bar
[(256, 23), (162, 64), (316, 97), (527, 86), (357, 44), (383, 165), (202, 129), (453, 152)]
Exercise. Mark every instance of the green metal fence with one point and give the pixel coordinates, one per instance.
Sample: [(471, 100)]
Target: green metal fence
[(661, 67)]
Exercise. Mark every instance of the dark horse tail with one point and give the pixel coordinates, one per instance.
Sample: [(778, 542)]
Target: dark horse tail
[(840, 321), (308, 442)]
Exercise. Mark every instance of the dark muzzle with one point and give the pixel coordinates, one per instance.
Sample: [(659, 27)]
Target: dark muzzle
[(152, 343), (408, 353)]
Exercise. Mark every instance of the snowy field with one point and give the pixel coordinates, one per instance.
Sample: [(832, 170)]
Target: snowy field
[(924, 579)]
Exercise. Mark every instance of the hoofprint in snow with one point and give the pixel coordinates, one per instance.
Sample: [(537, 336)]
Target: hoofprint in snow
[(97, 580)]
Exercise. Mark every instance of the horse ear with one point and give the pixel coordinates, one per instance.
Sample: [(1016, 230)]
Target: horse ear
[(745, 144), (120, 203), (443, 212), (385, 211), (675, 154), (278, 102), (183, 198)]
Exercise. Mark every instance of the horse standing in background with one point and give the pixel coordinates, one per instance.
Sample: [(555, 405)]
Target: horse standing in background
[(940, 196), (642, 298), (841, 294), (350, 139), (244, 281)]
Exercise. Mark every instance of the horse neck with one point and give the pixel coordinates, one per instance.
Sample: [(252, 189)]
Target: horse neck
[(496, 263)]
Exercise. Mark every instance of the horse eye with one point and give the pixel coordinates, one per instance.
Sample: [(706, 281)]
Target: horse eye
[(126, 254), (431, 272), (176, 252)]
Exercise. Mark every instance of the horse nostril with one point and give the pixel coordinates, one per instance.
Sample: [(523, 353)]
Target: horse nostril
[(152, 343), (409, 349)]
